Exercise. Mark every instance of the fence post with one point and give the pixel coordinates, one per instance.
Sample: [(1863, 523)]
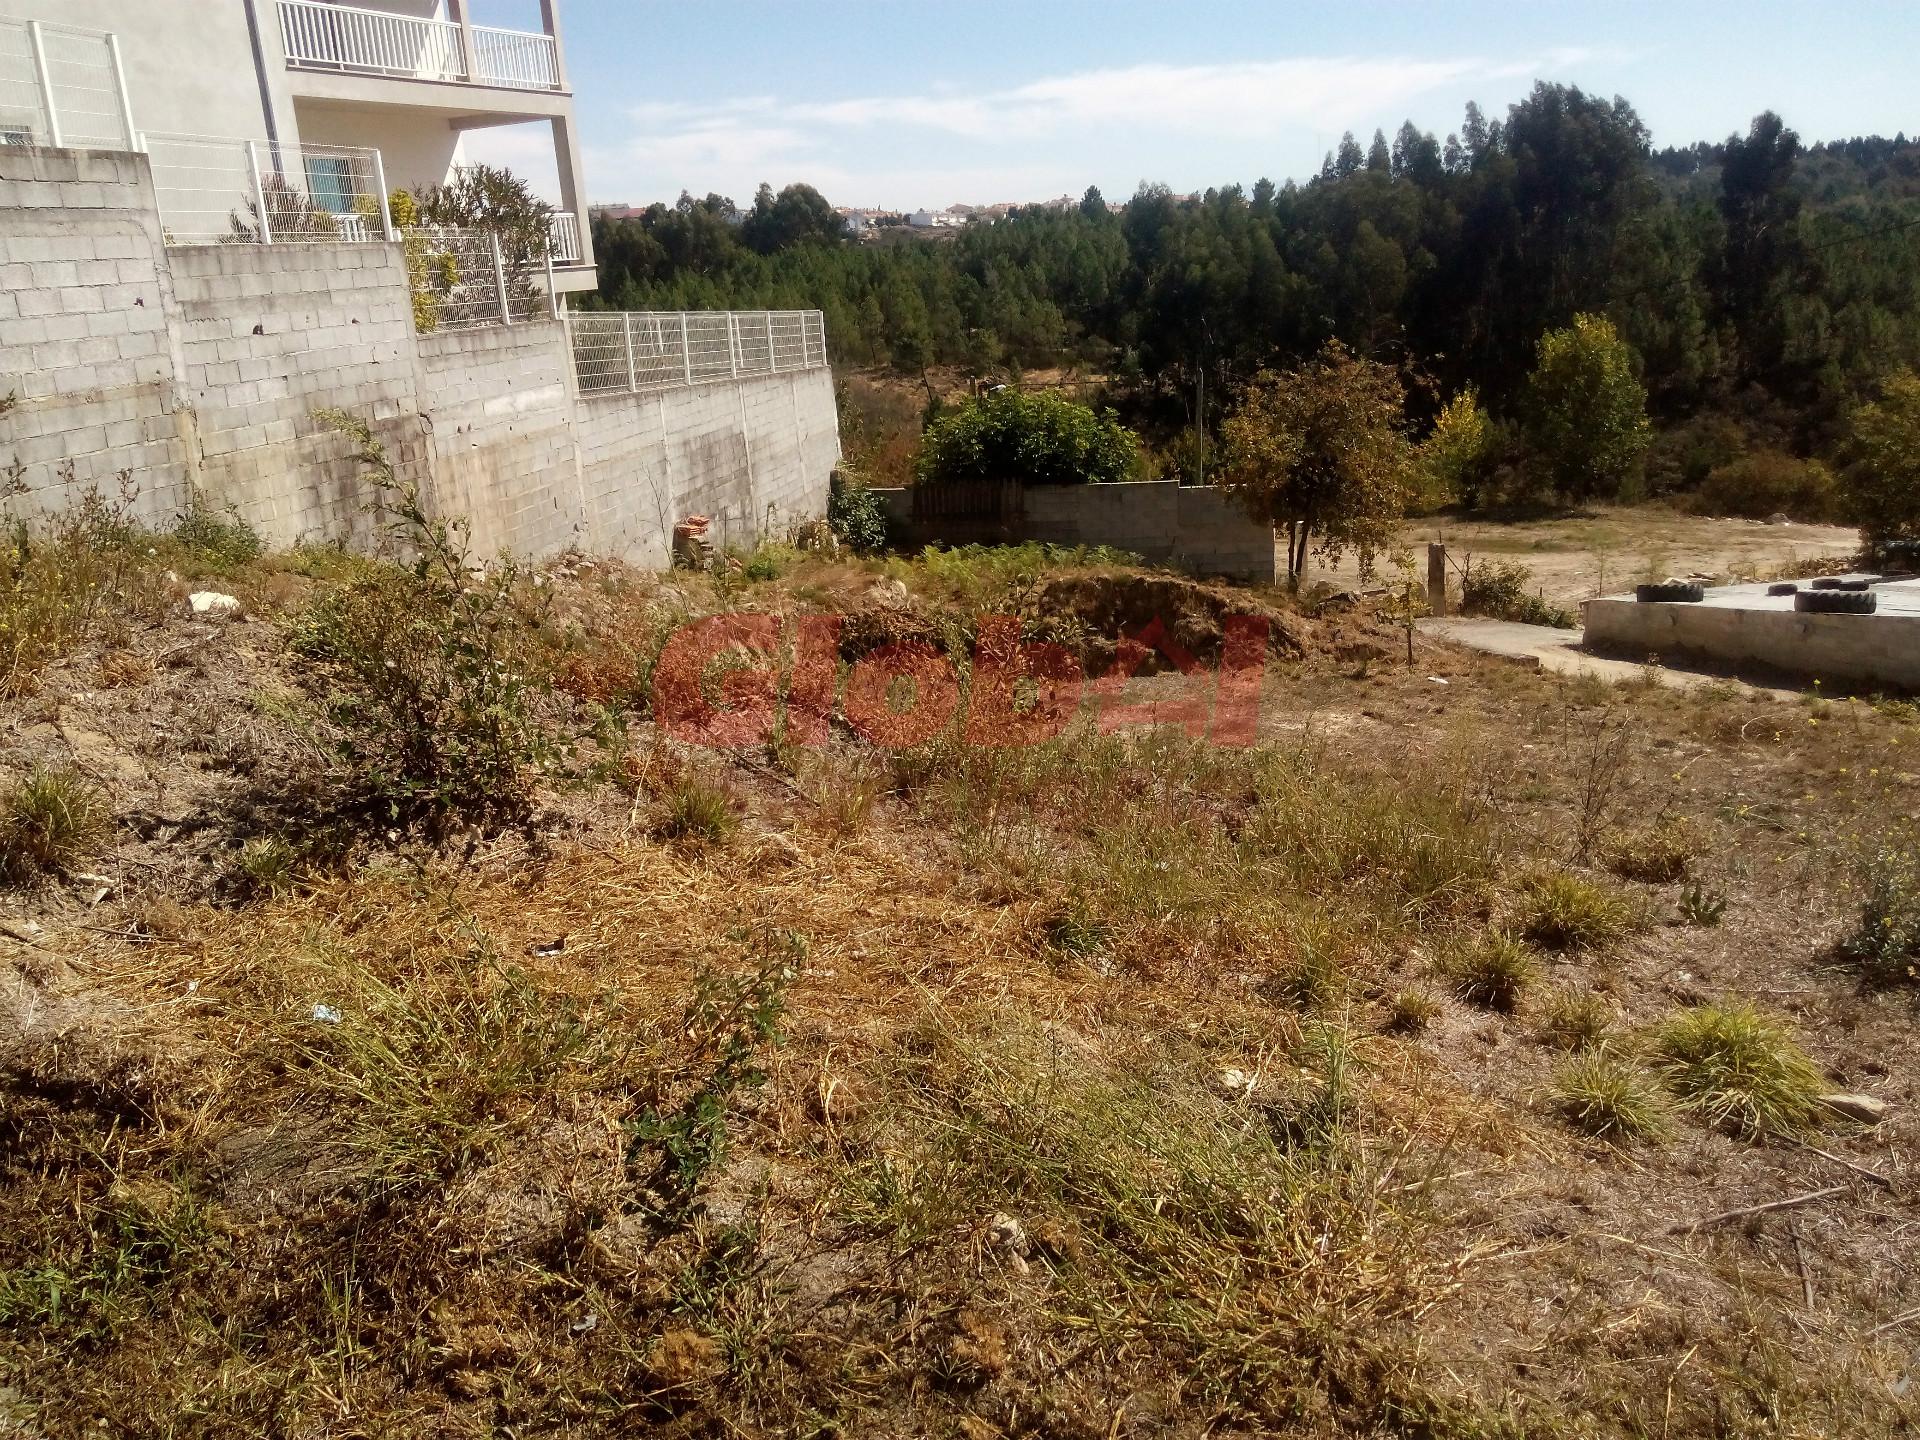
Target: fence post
[(500, 278), (120, 89), (772, 363), (686, 351), (733, 343), (633, 384), (38, 44), (380, 184), (553, 295), (259, 192)]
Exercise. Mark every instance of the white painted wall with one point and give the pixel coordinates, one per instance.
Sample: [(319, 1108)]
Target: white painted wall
[(417, 147)]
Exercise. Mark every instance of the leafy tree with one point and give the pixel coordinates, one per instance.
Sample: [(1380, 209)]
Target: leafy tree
[(1040, 438), (1351, 158), (1880, 486), (484, 197), (1321, 450), (1586, 409), (1379, 157), (798, 215), (1765, 256), (1456, 458)]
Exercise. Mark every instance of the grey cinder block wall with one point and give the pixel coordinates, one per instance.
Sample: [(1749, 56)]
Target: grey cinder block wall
[(198, 369)]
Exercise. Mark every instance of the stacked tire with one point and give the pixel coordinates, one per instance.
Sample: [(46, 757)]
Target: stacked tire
[(1670, 592), (1836, 602)]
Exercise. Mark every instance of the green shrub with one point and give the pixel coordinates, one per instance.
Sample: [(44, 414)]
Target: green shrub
[(1768, 482), (1411, 1011), (48, 822), (1605, 1096), (223, 542), (1562, 911), (858, 519), (1500, 591), (428, 680), (1880, 486), (1738, 1069), (1038, 438), (1494, 972), (1884, 944)]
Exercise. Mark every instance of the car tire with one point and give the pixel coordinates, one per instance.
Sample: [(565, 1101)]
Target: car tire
[(1836, 602), (1785, 587), (1673, 592), (1827, 582)]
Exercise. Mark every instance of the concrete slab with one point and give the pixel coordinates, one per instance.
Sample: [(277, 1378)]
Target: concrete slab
[(1562, 652)]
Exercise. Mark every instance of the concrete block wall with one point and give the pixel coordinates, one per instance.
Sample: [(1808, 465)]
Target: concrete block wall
[(198, 369), (271, 334), (1878, 649), (89, 365), (1196, 529), (505, 452)]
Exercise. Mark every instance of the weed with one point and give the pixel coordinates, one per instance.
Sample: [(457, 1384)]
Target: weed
[(697, 812), (1574, 1019), (1657, 854), (221, 542), (1702, 908), (843, 793), (1411, 1011), (429, 679), (1884, 944), (267, 866), (48, 822), (1604, 1095), (1073, 932), (1494, 972), (1563, 911), (729, 1020), (1311, 980), (858, 519), (1500, 590), (1738, 1069)]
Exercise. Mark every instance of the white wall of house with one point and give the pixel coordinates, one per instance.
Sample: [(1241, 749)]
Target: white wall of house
[(189, 63), (418, 147)]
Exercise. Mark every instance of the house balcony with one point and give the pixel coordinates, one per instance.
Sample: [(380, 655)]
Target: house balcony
[(347, 40)]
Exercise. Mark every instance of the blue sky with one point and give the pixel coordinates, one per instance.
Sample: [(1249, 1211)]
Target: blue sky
[(913, 103)]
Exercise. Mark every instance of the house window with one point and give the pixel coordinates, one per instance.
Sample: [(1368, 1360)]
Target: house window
[(330, 183)]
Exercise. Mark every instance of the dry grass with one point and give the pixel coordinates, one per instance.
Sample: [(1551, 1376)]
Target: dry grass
[(48, 823), (1736, 1068)]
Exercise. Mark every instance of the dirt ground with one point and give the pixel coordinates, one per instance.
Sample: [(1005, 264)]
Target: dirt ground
[(1608, 550), (1094, 1111)]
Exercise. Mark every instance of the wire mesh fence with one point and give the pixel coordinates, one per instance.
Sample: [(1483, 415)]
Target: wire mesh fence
[(645, 350), (262, 192), (466, 278), (60, 85)]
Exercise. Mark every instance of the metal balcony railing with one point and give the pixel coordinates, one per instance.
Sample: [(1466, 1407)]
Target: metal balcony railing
[(62, 86), (650, 350), (564, 237), (216, 191), (347, 38)]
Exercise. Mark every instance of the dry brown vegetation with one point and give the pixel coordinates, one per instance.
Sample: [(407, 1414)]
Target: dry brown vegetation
[(1118, 1086)]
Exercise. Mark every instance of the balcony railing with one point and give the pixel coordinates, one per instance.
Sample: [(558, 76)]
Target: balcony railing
[(563, 232), (215, 191), (639, 350), (62, 86), (346, 38)]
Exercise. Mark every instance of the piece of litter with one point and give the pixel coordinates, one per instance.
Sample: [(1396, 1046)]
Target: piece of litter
[(326, 1014), (586, 1322), (1436, 680), (193, 987), (552, 947)]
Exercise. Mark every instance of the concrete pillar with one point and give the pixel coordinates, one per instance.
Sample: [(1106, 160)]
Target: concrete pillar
[(1436, 579), (457, 10), (550, 22), (573, 180)]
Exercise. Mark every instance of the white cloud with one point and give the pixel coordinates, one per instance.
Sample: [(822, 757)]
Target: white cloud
[(920, 148)]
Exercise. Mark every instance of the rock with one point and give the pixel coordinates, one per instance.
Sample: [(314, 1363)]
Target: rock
[(1008, 1233), (890, 593), (1235, 1082), (1777, 518), (212, 602), (1867, 1109)]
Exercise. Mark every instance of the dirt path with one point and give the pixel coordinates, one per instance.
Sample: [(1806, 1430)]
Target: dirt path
[(1608, 550)]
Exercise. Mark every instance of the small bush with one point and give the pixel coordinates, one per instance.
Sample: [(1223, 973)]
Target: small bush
[(1575, 1019), (1702, 908), (1500, 592), (1655, 855), (859, 521), (1037, 438), (1073, 932), (698, 813), (1769, 482), (1884, 944), (1562, 911), (1494, 973), (1605, 1096), (1411, 1011), (429, 680), (51, 820), (266, 867), (222, 542), (1738, 1069)]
